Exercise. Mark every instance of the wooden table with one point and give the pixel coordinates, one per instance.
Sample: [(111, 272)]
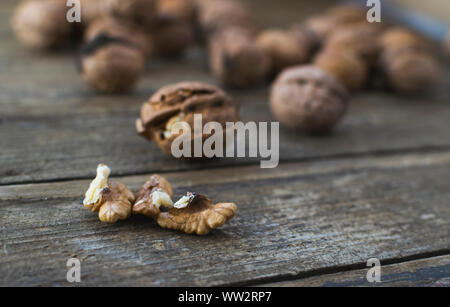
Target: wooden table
[(379, 186)]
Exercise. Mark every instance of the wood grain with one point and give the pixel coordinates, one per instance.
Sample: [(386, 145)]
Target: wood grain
[(429, 272), (298, 218)]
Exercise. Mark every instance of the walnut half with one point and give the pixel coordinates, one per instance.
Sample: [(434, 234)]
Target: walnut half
[(112, 201), (195, 213)]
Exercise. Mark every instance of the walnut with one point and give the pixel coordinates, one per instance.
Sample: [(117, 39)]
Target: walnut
[(217, 15), (284, 48), (307, 99), (236, 60), (362, 38), (345, 65), (178, 103), (111, 64), (154, 194), (142, 12), (42, 24), (112, 200), (119, 28), (401, 38), (195, 213)]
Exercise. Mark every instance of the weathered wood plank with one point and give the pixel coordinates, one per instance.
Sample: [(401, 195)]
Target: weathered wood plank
[(429, 272), (299, 218), (53, 127)]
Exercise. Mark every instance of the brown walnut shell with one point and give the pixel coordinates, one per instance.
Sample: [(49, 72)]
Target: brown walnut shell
[(42, 24), (284, 49), (307, 99), (144, 203), (200, 216), (184, 99), (345, 65), (236, 60), (119, 28), (111, 65)]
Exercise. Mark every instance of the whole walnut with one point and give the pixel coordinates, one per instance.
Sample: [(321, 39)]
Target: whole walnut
[(308, 99), (119, 28), (174, 31), (42, 24), (410, 71), (111, 65), (236, 60), (142, 12), (361, 38), (216, 15), (284, 49), (345, 65), (179, 103)]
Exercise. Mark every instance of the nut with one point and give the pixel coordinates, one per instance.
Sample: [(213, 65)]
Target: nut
[(195, 213), (141, 12), (216, 15), (236, 60), (122, 29), (308, 99), (42, 24), (111, 65), (283, 48), (93, 10), (347, 14), (174, 31), (154, 194), (345, 65), (401, 38), (112, 200), (361, 38), (178, 103)]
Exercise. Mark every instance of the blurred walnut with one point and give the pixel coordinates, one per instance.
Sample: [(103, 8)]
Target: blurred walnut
[(154, 194), (401, 38), (178, 103), (93, 10), (112, 201), (347, 14), (195, 213), (307, 99), (345, 65), (111, 65), (236, 60), (119, 28), (42, 24), (175, 9), (142, 12), (410, 71), (362, 38), (284, 49), (217, 15)]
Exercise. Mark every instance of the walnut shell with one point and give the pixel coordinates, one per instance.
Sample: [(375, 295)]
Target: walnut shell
[(197, 216), (42, 24), (236, 60), (345, 65), (216, 15), (308, 99), (111, 65), (119, 28), (145, 202), (284, 49), (410, 71), (362, 38), (180, 102)]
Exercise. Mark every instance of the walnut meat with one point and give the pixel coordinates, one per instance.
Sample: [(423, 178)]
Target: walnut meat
[(236, 60), (195, 213), (308, 99), (111, 65), (42, 24), (154, 194), (284, 48), (178, 103), (112, 200)]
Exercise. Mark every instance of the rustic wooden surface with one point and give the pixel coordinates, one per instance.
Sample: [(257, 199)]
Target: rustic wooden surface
[(379, 186)]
